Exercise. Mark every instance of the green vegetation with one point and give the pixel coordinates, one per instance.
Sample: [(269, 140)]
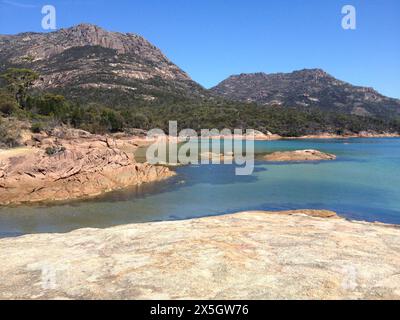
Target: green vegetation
[(8, 104), (48, 109), (51, 151), (18, 81), (9, 134)]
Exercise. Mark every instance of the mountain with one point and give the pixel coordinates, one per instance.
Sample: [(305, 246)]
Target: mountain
[(307, 88), (89, 64), (86, 62), (115, 81)]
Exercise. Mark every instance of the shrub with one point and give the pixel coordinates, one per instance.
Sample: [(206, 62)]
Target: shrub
[(51, 151), (112, 120), (9, 134), (8, 104), (37, 127)]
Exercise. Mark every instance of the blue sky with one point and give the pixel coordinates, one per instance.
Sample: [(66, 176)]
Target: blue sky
[(212, 39)]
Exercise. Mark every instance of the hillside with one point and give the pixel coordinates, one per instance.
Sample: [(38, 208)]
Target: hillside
[(307, 88), (89, 64)]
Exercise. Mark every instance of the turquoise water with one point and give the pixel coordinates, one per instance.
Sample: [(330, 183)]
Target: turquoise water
[(363, 184)]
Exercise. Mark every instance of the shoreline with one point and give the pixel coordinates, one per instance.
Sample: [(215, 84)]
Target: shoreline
[(328, 136), (324, 136), (274, 137), (117, 148)]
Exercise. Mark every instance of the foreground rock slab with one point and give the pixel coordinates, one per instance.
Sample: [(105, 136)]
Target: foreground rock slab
[(249, 255), (299, 155)]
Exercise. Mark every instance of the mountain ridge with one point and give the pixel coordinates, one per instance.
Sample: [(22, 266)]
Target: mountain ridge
[(88, 57), (114, 81), (306, 88), (87, 63)]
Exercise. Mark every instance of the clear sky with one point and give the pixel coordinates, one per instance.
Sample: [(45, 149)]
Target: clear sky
[(212, 39)]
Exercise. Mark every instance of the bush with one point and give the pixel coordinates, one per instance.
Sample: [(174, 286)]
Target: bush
[(112, 120), (49, 105), (51, 151), (8, 104), (37, 127), (9, 134)]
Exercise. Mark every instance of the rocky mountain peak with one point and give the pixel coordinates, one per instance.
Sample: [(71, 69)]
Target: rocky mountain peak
[(45, 45), (87, 56), (93, 35), (85, 26), (314, 71)]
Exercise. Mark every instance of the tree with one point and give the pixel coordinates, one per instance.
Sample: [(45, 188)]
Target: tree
[(8, 105), (51, 104), (19, 81), (112, 120)]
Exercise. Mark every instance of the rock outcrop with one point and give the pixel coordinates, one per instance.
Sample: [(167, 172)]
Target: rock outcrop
[(258, 135), (72, 164), (299, 155), (250, 255)]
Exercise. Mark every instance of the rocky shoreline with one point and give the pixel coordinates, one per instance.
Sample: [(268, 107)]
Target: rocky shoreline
[(299, 155), (270, 136), (364, 134), (303, 254), (71, 164)]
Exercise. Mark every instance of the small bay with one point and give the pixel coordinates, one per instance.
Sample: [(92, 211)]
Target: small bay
[(362, 184)]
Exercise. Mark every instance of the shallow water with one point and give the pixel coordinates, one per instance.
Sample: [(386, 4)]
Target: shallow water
[(363, 184)]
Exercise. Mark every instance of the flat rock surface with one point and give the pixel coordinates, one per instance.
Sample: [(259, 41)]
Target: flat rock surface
[(299, 155), (249, 255), (7, 153)]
